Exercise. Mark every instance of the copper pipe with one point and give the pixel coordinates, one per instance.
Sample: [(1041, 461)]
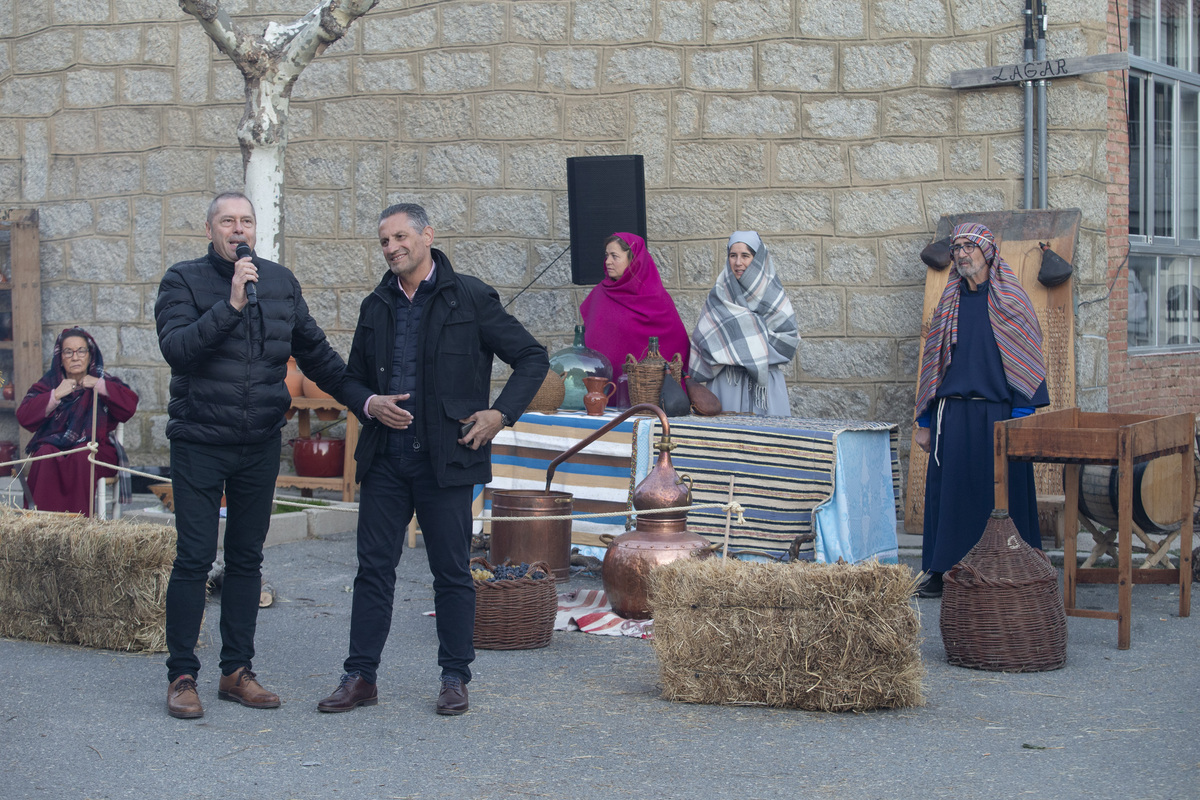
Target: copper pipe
[(624, 415)]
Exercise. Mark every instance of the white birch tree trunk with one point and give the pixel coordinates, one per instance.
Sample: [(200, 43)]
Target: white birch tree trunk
[(271, 62)]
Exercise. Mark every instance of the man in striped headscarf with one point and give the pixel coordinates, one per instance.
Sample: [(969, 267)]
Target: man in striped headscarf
[(982, 363)]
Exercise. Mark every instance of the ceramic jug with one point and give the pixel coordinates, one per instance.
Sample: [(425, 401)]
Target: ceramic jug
[(599, 389)]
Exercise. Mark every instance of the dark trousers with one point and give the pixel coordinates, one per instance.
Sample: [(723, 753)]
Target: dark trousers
[(200, 473), (392, 490)]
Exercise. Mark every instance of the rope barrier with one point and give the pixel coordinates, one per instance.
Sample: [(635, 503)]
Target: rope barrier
[(731, 507)]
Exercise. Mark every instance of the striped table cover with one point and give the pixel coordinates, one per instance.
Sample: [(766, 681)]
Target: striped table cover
[(837, 479), (599, 477)]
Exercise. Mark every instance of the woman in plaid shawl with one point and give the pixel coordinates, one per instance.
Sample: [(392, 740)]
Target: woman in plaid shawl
[(746, 332), (982, 363)]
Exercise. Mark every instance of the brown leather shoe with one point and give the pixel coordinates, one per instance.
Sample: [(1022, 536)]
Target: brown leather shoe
[(182, 700), (353, 691), (241, 687), (452, 699)]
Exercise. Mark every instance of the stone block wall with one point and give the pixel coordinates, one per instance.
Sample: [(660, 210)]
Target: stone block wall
[(828, 127)]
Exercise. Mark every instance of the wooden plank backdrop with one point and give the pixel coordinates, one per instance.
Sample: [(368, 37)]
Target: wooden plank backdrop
[(1018, 234)]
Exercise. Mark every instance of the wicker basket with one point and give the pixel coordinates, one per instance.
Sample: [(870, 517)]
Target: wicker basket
[(1001, 607), (549, 396), (646, 376), (515, 614)]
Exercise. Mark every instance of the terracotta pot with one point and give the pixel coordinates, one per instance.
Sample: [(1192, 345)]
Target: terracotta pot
[(312, 390), (9, 391), (294, 379), (315, 457)]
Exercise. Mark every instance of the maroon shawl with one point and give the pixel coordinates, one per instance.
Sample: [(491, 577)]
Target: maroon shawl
[(620, 316), (70, 423)]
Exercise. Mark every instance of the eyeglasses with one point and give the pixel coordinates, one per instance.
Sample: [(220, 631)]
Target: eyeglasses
[(83, 351), (966, 247)]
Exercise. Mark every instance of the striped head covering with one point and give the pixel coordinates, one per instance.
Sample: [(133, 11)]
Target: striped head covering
[(1014, 324), (743, 320)]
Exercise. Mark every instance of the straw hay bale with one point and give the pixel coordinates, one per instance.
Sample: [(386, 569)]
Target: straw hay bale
[(65, 578), (821, 637)]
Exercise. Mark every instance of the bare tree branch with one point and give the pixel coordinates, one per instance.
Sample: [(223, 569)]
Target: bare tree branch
[(270, 63), (218, 25)]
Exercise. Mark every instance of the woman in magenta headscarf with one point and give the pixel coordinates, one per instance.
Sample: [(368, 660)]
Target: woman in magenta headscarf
[(628, 307)]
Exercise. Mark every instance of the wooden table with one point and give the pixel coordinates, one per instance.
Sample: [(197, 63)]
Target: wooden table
[(303, 406), (1072, 437)]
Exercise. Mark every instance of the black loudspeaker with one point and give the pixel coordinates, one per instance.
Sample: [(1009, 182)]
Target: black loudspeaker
[(605, 194)]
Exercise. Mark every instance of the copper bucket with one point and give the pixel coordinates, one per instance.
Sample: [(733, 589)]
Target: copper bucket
[(531, 539)]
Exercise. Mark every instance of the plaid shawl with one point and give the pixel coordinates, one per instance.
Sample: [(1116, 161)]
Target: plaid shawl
[(1014, 324), (742, 320)]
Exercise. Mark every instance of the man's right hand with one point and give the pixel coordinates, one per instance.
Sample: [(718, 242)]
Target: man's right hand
[(386, 408), (922, 437), (243, 271)]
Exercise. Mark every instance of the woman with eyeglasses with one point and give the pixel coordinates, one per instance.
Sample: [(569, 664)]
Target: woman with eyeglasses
[(982, 363), (58, 409)]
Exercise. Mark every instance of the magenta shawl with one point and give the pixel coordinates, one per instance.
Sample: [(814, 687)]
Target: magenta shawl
[(620, 316)]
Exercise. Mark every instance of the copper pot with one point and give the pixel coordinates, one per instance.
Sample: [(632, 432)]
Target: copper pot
[(532, 539), (657, 538)]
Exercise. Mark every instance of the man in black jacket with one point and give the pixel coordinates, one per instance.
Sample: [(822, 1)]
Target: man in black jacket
[(228, 354), (419, 376)]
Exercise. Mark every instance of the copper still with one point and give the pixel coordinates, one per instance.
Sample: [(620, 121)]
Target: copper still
[(656, 538)]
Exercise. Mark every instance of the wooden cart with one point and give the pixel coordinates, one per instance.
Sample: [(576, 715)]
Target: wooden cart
[(1072, 437)]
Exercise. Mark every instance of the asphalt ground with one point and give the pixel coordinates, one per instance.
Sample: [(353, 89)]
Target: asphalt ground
[(583, 718)]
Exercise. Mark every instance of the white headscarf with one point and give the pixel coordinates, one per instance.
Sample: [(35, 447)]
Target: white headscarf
[(744, 319)]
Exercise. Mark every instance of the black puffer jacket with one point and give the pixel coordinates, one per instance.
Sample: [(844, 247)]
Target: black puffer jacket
[(463, 326), (227, 367)]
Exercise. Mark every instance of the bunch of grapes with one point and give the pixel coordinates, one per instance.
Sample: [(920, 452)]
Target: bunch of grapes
[(513, 572), (481, 574)]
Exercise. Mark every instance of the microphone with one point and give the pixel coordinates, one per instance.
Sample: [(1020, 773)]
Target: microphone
[(243, 250)]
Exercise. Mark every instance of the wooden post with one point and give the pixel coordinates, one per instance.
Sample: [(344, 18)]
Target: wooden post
[(1186, 477), (1000, 478), (92, 456), (1070, 531), (728, 521), (1124, 537)]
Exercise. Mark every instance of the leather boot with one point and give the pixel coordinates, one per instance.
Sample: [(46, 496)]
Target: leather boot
[(241, 687), (183, 702)]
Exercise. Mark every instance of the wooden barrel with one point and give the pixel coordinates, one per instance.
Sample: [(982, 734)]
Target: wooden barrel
[(1156, 494)]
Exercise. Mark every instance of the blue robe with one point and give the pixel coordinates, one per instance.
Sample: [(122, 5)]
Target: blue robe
[(974, 394)]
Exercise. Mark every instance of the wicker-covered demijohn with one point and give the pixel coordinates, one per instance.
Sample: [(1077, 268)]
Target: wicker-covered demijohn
[(1001, 606), (646, 376), (549, 395), (515, 614)]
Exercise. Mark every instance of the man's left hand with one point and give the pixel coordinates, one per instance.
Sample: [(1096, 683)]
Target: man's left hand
[(487, 424)]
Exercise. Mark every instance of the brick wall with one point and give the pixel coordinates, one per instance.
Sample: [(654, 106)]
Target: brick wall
[(1137, 384)]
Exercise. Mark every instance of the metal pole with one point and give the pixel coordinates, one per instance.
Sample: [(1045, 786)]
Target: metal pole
[(1027, 86), (1041, 103)]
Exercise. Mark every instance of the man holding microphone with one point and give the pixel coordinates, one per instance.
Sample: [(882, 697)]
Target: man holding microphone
[(227, 324)]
